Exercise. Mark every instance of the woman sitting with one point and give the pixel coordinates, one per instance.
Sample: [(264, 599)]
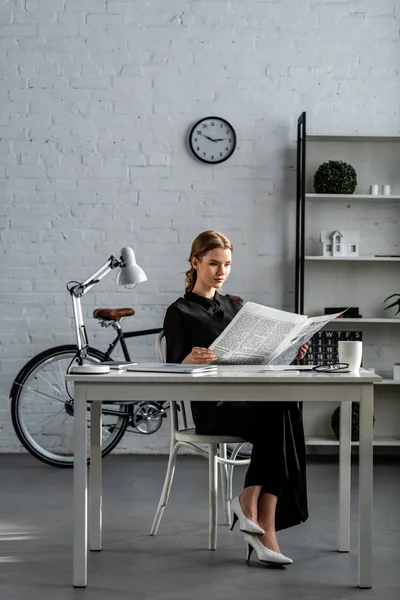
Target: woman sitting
[(275, 494)]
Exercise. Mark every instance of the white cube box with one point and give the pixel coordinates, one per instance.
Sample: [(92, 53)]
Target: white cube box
[(396, 371)]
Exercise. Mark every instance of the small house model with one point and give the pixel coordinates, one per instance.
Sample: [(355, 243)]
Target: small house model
[(340, 243)]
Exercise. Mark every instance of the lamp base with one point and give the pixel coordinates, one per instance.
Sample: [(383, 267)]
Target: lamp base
[(90, 369)]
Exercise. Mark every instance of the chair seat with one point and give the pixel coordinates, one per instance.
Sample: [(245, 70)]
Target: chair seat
[(190, 435)]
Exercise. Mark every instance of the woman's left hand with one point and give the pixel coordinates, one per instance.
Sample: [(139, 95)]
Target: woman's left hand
[(302, 351)]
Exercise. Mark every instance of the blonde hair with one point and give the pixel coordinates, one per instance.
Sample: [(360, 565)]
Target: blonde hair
[(204, 243)]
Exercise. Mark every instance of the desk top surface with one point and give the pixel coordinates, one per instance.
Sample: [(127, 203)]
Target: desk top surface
[(231, 374)]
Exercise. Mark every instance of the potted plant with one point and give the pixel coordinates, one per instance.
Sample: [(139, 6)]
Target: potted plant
[(355, 422), (335, 177)]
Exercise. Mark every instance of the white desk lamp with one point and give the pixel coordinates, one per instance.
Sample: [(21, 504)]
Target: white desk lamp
[(129, 275)]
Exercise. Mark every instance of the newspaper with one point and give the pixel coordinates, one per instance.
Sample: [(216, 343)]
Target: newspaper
[(260, 335)]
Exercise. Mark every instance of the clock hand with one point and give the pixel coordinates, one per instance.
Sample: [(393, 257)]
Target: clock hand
[(216, 140)]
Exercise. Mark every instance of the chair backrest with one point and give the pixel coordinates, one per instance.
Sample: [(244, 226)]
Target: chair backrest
[(161, 354), (161, 347)]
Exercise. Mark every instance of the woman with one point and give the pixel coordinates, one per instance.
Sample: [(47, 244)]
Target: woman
[(274, 495)]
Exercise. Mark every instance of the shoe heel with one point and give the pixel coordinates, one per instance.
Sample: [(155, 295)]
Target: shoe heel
[(234, 519), (249, 552)]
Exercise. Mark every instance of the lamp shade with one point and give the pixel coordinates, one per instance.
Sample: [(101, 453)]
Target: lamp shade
[(130, 273)]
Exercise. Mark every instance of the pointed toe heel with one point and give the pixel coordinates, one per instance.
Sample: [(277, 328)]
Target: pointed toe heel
[(249, 550), (234, 520), (245, 524), (263, 553)]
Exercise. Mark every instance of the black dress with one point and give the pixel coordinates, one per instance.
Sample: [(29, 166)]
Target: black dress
[(274, 428)]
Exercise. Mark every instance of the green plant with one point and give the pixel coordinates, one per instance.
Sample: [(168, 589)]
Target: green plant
[(355, 422), (335, 177)]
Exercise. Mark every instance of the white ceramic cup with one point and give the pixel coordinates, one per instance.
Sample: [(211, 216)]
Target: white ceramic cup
[(386, 190), (351, 353), (374, 189)]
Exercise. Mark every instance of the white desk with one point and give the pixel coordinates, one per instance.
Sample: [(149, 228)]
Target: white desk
[(230, 384)]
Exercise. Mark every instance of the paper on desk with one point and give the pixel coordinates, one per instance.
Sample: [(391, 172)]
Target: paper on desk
[(263, 335), (118, 365)]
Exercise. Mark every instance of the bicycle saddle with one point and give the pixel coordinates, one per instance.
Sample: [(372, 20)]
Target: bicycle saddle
[(112, 314)]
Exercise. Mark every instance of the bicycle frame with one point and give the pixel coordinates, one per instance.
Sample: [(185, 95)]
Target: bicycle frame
[(120, 338)]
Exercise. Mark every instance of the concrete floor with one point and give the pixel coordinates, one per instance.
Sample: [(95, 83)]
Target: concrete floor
[(36, 537)]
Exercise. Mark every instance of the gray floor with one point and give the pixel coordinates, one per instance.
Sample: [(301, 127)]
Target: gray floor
[(36, 526)]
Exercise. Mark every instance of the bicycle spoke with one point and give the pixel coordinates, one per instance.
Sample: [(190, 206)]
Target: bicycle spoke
[(147, 417), (52, 421), (49, 418), (49, 383), (60, 432), (45, 411), (41, 393)]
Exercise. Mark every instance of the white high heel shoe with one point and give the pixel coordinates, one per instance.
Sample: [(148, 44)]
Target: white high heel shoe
[(264, 554), (245, 524)]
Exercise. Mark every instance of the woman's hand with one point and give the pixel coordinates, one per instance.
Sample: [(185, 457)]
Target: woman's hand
[(199, 356), (302, 351)]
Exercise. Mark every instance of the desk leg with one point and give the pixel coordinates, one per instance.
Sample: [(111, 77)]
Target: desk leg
[(80, 487), (343, 533), (366, 487), (213, 497), (95, 495)]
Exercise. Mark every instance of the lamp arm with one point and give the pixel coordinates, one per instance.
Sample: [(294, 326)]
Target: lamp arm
[(79, 290)]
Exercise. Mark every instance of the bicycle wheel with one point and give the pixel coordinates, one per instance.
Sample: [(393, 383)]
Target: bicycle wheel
[(244, 451), (42, 408)]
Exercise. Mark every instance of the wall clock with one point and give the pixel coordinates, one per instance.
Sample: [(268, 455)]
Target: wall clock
[(212, 140)]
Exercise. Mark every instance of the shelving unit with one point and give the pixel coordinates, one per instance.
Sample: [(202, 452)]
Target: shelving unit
[(352, 197), (345, 137), (355, 258), (362, 320), (326, 441), (363, 281)]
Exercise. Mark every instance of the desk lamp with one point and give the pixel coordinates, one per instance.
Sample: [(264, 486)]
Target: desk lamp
[(129, 274)]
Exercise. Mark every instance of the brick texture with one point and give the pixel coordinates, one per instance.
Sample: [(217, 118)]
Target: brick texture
[(97, 97)]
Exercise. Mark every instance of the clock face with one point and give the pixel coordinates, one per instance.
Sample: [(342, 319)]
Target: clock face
[(212, 140)]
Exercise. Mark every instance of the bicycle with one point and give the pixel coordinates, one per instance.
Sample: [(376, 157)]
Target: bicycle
[(42, 404), (40, 397), (46, 430)]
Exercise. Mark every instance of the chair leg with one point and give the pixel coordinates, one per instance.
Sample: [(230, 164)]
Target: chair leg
[(229, 484), (223, 471), (229, 492), (213, 497), (166, 489)]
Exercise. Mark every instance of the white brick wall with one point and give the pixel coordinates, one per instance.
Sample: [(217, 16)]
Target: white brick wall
[(96, 100)]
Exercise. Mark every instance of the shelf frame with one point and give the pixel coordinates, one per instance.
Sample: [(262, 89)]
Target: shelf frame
[(353, 258), (367, 320), (379, 441), (300, 214), (350, 197), (388, 382), (352, 137)]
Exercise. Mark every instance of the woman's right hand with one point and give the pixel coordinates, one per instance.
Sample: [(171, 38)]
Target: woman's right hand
[(199, 356)]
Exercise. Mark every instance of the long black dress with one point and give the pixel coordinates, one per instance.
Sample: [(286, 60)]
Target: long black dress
[(274, 428)]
